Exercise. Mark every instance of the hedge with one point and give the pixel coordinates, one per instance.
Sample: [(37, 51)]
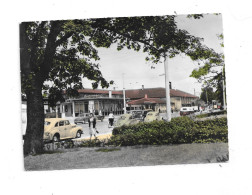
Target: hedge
[(179, 130)]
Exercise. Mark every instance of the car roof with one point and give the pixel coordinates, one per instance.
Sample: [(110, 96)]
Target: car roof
[(55, 119), (127, 115)]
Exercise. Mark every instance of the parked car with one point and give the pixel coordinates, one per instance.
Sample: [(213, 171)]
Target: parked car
[(56, 129), (99, 117), (186, 111), (83, 118), (126, 119), (139, 114), (152, 116), (146, 112)]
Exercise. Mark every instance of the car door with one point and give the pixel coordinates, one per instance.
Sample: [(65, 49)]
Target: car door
[(86, 118), (67, 129), (62, 129)]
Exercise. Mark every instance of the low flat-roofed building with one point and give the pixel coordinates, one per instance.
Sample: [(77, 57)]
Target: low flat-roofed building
[(155, 98)]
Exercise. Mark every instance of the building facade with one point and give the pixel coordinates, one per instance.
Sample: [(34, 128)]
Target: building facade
[(155, 98), (92, 101)]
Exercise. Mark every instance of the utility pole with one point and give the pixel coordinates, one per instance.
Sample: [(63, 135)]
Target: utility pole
[(224, 87), (124, 102), (167, 87), (206, 96)]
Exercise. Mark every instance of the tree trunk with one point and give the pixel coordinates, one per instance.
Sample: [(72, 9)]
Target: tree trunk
[(33, 141)]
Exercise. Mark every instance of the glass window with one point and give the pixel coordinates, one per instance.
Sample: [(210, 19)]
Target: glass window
[(47, 123), (57, 124), (61, 123), (67, 123)]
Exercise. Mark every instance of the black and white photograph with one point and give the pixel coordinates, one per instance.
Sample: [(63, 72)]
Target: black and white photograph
[(127, 98)]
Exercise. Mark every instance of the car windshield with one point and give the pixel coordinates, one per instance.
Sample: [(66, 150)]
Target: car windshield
[(122, 117), (46, 123), (150, 114)]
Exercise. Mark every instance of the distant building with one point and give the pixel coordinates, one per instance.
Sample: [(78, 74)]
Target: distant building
[(99, 101), (95, 101), (155, 98)]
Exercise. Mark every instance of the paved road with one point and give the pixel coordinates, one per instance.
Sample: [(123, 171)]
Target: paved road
[(103, 128)]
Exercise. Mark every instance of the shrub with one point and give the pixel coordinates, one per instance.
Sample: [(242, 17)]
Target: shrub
[(179, 130)]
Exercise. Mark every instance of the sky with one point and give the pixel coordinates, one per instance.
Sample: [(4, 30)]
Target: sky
[(137, 72)]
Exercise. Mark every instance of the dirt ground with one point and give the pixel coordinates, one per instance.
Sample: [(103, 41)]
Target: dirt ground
[(83, 158)]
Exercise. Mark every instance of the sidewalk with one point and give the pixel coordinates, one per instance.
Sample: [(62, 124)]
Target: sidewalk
[(100, 137)]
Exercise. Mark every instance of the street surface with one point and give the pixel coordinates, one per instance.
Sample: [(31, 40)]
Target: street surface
[(103, 128)]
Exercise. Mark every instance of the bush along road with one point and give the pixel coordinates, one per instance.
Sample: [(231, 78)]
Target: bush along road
[(180, 141)]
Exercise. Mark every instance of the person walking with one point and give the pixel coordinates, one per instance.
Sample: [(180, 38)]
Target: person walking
[(92, 126), (111, 119)]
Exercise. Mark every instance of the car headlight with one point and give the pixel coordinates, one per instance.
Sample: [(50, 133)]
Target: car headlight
[(47, 133)]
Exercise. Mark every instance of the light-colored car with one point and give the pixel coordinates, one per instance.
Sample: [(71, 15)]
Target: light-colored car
[(126, 119), (56, 129), (153, 116), (186, 111)]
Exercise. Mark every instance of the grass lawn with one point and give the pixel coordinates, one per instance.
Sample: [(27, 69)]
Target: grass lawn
[(83, 158)]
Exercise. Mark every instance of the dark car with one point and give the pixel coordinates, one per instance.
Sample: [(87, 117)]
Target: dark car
[(139, 114), (99, 117), (83, 118)]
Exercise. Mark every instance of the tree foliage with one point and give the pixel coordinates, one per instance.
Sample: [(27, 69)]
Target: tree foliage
[(211, 66), (212, 72)]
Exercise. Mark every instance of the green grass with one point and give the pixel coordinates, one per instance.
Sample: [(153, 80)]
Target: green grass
[(107, 149), (48, 152)]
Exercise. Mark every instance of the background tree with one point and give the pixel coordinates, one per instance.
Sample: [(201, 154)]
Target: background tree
[(63, 52), (207, 95), (211, 71)]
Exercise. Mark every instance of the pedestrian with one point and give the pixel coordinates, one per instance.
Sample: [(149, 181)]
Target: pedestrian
[(111, 119), (92, 126)]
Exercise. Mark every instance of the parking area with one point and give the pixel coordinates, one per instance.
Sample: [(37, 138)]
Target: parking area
[(101, 126)]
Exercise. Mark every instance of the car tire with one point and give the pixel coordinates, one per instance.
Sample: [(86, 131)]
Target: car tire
[(55, 138), (78, 134)]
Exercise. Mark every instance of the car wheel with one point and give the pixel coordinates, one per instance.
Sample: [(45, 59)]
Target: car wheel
[(78, 134), (55, 138)]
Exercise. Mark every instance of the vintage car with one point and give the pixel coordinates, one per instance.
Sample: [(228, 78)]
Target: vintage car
[(153, 116), (126, 119), (99, 117), (56, 129), (83, 118), (139, 114), (186, 111)]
